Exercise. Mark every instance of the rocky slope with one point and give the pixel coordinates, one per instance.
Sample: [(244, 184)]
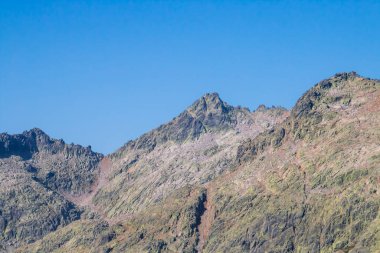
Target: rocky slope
[(219, 178), (180, 153), (35, 174), (311, 184)]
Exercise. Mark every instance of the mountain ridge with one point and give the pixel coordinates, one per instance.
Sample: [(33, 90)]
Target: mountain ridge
[(195, 120), (269, 180)]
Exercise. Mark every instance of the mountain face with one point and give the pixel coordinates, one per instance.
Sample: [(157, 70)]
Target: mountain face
[(177, 154), (216, 178), (61, 167), (35, 173)]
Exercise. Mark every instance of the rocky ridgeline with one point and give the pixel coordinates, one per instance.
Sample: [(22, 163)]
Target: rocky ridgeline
[(209, 114), (323, 102), (36, 171), (59, 166), (216, 178)]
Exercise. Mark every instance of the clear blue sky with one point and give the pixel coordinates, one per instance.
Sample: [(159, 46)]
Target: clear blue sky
[(102, 72)]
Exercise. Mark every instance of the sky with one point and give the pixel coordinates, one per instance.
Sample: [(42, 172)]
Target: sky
[(101, 73)]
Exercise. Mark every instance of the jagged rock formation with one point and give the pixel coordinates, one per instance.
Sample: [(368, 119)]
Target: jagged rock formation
[(35, 172), (68, 168), (219, 178), (209, 114)]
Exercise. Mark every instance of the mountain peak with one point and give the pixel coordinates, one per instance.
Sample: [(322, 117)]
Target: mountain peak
[(23, 145), (209, 103), (211, 96), (337, 90), (208, 113), (34, 132)]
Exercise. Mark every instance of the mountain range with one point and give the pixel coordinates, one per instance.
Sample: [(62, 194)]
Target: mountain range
[(216, 178)]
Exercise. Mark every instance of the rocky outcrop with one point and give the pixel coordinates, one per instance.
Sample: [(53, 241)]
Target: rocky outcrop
[(29, 210), (35, 171), (59, 166)]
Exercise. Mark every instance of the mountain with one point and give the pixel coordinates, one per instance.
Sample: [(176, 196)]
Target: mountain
[(193, 148), (216, 178), (35, 173)]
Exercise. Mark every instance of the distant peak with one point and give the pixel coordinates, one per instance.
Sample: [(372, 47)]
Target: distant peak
[(209, 102), (210, 99), (262, 108), (212, 95), (345, 82), (36, 131)]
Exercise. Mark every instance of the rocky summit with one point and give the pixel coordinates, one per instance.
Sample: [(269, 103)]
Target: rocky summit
[(217, 178)]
